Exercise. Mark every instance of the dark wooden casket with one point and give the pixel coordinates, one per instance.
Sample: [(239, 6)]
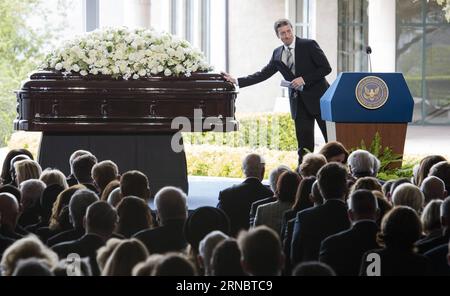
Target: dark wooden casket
[(53, 102), (127, 121)]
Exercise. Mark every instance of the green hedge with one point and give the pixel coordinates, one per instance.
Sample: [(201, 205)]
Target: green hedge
[(265, 130)]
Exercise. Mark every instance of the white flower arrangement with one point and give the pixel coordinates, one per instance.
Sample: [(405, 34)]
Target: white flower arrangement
[(121, 52)]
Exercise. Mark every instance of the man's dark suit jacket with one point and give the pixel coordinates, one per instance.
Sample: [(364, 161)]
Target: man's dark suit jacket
[(427, 245), (310, 63), (398, 263), (163, 239), (237, 200), (439, 262), (5, 242), (343, 251), (314, 225), (66, 236), (255, 206)]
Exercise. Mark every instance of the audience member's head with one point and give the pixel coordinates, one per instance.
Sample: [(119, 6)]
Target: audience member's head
[(27, 169), (316, 196), (31, 191), (82, 167), (147, 267), (115, 197), (101, 219), (226, 259), (103, 173), (401, 228), (425, 166), (109, 188), (303, 194), (173, 264), (13, 190), (170, 203), (368, 183), (262, 253), (253, 165), (287, 187), (201, 222), (74, 155), (78, 205), (32, 267), (9, 211), (135, 183), (54, 176), (125, 257), (206, 248), (134, 216), (384, 206), (275, 174), (431, 216), (362, 205), (333, 181), (334, 152), (363, 164), (105, 252), (6, 177), (27, 247), (48, 198), (311, 164), (433, 188), (313, 269), (397, 183), (62, 201), (445, 213), (442, 171), (409, 195)]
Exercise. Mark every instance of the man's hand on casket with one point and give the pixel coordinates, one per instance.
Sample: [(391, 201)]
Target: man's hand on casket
[(228, 77)]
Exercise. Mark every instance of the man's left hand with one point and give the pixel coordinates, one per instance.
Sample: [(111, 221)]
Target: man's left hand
[(297, 82)]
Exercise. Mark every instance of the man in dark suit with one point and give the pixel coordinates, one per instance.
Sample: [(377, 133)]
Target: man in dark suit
[(315, 224), (343, 251), (100, 222), (172, 213), (237, 200), (304, 64)]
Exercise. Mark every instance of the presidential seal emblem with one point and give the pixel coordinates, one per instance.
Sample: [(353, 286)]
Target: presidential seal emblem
[(372, 92)]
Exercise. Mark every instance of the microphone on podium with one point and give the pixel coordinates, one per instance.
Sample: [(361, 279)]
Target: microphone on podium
[(369, 51)]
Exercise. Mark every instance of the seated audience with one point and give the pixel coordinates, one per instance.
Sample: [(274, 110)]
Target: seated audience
[(440, 259), (147, 267), (424, 167), (135, 183), (442, 171), (32, 267), (82, 167), (46, 202), (311, 164), (27, 169), (105, 252), (431, 221), (368, 183), (9, 213), (109, 188), (173, 264), (31, 192), (8, 176), (71, 180), (206, 248)]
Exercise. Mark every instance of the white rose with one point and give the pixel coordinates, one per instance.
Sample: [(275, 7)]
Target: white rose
[(135, 76), (142, 72), (167, 72), (76, 68), (83, 72), (58, 66)]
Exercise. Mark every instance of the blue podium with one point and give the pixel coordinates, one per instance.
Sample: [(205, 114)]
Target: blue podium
[(358, 105)]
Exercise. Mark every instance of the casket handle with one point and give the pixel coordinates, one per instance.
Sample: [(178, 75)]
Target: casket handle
[(104, 109), (55, 108), (153, 109)]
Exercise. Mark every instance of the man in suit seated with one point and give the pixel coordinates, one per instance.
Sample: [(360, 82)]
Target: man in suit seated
[(9, 212), (343, 251), (273, 180), (171, 214), (440, 259), (315, 224), (82, 168), (237, 200), (100, 222)]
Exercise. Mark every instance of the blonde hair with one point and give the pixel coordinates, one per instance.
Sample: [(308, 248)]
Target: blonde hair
[(53, 176), (62, 200), (105, 252), (27, 247), (311, 164), (125, 257), (147, 267), (408, 195), (431, 216), (27, 169)]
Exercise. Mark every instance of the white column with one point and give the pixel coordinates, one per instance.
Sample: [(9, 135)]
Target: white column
[(382, 25), (324, 28), (137, 13)]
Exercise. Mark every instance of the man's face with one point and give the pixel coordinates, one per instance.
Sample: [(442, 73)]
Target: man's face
[(286, 34)]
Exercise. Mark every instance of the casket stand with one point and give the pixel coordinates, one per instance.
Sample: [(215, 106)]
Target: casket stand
[(126, 121)]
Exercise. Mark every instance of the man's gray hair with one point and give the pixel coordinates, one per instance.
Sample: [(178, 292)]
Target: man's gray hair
[(207, 245), (362, 161), (170, 203), (432, 187), (253, 165), (281, 23), (31, 191), (78, 205), (275, 174)]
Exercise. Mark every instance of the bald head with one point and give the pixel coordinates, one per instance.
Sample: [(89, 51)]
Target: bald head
[(433, 188), (253, 165), (170, 203), (9, 210)]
